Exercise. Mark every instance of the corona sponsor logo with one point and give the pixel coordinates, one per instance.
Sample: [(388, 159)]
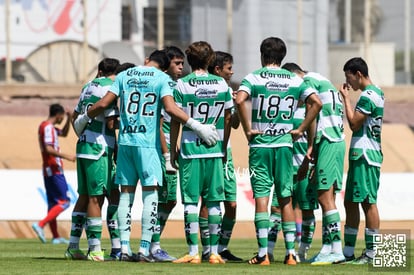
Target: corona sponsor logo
[(194, 82)]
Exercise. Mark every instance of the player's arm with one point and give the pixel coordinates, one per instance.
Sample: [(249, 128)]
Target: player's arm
[(243, 111), (164, 147), (227, 129), (52, 151), (355, 118), (175, 127), (313, 106), (65, 130)]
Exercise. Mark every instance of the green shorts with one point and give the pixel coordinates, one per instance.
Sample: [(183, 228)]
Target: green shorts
[(329, 169), (168, 191), (271, 167), (362, 182), (135, 163), (230, 182), (201, 178), (94, 176)]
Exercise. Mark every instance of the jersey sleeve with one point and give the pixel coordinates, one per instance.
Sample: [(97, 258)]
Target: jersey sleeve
[(365, 104), (178, 96), (116, 86), (246, 85), (229, 99), (166, 85)]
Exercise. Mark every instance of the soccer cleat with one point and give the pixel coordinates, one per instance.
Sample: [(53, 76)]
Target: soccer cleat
[(271, 257), (228, 256), (216, 259), (205, 256), (349, 259), (124, 257), (96, 256), (301, 257), (115, 254), (188, 259), (60, 241), (327, 259), (39, 232), (264, 260), (74, 254), (290, 259), (363, 259), (144, 258), (162, 256)]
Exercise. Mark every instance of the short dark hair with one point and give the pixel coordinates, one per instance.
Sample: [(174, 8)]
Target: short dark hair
[(293, 67), (220, 60), (356, 64), (123, 67), (56, 109), (107, 66), (273, 50), (173, 52), (161, 58)]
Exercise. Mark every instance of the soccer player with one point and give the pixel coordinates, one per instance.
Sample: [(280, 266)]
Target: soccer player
[(207, 98), (223, 66), (142, 90), (268, 126), (94, 151), (328, 152), (365, 157), (167, 193), (54, 179)]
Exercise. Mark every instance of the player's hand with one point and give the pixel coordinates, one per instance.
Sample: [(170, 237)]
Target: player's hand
[(207, 132), (296, 134), (80, 123), (303, 169), (174, 159), (344, 90), (71, 158), (251, 133), (168, 167)]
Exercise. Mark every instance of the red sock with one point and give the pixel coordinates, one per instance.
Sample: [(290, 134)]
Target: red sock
[(53, 228), (52, 214)]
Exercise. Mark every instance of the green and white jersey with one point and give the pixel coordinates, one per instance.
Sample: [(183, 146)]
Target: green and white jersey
[(140, 90), (97, 137), (366, 141), (166, 125), (330, 118), (205, 98), (274, 93), (300, 146)]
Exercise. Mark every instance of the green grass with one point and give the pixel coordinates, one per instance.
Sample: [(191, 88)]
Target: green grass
[(29, 256)]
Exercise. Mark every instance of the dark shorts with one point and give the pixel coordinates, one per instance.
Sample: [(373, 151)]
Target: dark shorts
[(56, 190)]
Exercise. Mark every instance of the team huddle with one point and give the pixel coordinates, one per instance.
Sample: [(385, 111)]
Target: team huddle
[(175, 129)]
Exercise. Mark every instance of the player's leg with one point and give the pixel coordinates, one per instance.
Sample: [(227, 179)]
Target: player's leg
[(369, 205), (261, 161), (213, 194), (230, 207), (275, 226), (190, 188), (150, 175), (204, 231), (127, 177), (329, 173)]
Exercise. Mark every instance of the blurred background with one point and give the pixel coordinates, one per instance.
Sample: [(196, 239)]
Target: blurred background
[(57, 41)]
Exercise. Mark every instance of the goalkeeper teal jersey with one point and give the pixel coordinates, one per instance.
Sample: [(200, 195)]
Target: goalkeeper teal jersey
[(140, 90), (274, 94), (96, 137), (204, 98), (330, 118), (366, 141)]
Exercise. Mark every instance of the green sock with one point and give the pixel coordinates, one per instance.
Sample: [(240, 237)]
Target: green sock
[(333, 222), (308, 229), (148, 219), (289, 231), (112, 224), (227, 226), (78, 223), (126, 201), (275, 225), (204, 234), (261, 222), (369, 241), (191, 227), (214, 222), (94, 233), (350, 238)]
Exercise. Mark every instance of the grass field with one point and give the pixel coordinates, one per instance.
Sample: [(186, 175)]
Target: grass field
[(29, 256)]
